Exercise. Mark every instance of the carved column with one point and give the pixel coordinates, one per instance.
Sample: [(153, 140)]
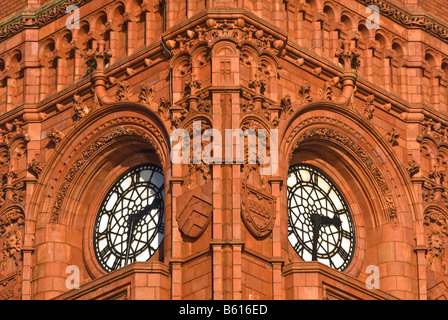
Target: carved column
[(31, 70), (176, 254), (277, 261), (131, 31)]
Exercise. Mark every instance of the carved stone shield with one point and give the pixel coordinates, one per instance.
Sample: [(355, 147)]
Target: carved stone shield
[(195, 209), (258, 211)]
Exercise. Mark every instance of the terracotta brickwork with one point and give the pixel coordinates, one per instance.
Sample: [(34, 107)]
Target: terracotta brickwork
[(437, 8), (8, 8), (81, 106)]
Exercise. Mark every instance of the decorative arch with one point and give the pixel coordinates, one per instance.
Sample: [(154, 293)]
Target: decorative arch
[(341, 143), (114, 141)]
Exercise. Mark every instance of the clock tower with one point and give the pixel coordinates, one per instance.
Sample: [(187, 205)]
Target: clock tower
[(242, 149)]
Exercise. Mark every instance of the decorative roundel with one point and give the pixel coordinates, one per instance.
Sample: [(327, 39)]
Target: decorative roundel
[(129, 225), (320, 226)]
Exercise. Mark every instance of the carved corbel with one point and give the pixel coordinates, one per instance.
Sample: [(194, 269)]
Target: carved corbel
[(55, 136), (412, 168), (369, 108), (79, 107), (35, 167)]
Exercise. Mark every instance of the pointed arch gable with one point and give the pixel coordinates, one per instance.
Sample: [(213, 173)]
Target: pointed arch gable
[(365, 146)]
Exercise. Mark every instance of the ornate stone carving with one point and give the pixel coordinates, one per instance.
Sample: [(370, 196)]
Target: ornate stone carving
[(204, 105), (195, 206), (124, 92), (101, 142), (192, 86), (11, 217), (164, 109), (195, 216), (11, 239), (12, 245), (259, 84), (258, 206), (348, 142), (146, 94), (255, 105), (14, 131), (4, 156), (433, 216), (10, 287), (326, 93), (433, 131), (286, 106), (55, 136), (198, 174), (304, 93), (369, 108), (402, 16), (35, 167), (412, 168), (392, 137), (79, 107), (436, 251), (437, 175), (348, 55)]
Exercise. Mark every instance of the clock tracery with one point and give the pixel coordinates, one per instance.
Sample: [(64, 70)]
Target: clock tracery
[(320, 227), (129, 225)]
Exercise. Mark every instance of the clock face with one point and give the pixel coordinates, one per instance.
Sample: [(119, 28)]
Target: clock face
[(320, 227), (129, 225)]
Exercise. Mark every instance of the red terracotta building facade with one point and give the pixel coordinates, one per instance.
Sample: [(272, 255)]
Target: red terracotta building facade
[(354, 105)]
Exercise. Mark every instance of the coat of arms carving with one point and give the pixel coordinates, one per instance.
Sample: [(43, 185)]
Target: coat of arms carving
[(258, 205), (195, 210)]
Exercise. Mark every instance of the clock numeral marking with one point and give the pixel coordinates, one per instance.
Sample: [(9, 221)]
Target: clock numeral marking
[(298, 247), (105, 253), (314, 178), (346, 234), (116, 264), (343, 254)]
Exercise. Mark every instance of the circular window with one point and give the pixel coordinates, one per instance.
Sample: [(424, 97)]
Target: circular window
[(320, 226), (129, 224)]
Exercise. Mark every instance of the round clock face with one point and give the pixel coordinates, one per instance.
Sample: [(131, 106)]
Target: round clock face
[(320, 227), (129, 225)]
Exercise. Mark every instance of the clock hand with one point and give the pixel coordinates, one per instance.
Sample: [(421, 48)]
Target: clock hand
[(143, 212), (316, 220), (130, 236), (134, 219), (319, 221)]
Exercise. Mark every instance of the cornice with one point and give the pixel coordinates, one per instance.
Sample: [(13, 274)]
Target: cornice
[(408, 19), (37, 18), (55, 9)]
